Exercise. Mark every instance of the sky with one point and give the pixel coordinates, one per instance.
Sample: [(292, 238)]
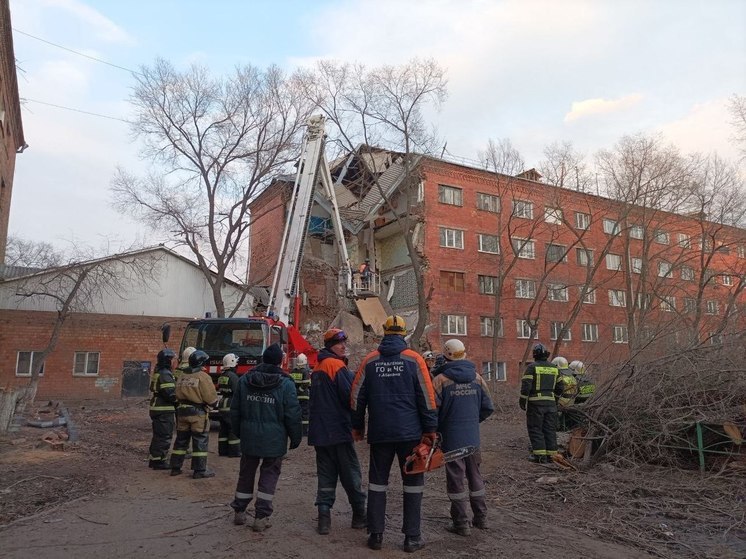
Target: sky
[(533, 71)]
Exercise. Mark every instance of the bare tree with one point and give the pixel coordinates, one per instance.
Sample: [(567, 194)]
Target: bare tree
[(737, 108), (565, 167), (215, 143)]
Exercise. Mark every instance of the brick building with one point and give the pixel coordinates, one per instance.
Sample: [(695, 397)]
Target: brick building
[(591, 278), (11, 128)]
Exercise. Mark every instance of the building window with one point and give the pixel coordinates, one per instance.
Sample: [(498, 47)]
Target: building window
[(690, 305), (712, 307), (636, 265), (86, 363), (723, 249), (25, 363), (453, 324), (687, 273), (582, 221), (619, 335), (590, 332), (524, 329), (525, 289), (707, 245), (487, 327), (452, 281), (585, 256), (661, 237), (611, 227), (668, 303), (644, 300), (488, 243), (556, 253), (684, 241), (553, 215), (523, 209), (557, 292), (450, 195), (556, 328), (617, 298), (613, 262), (741, 250), (726, 280), (637, 232), (451, 238), (665, 269), (488, 369), (488, 202), (590, 296), (524, 248), (487, 285)]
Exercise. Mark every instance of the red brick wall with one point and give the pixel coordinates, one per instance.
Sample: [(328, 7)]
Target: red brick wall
[(117, 338), (267, 226)]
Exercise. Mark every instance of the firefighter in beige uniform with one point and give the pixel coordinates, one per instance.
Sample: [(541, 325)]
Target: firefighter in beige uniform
[(195, 393)]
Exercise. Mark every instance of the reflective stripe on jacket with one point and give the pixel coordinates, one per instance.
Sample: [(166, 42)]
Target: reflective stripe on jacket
[(539, 383), (163, 388)]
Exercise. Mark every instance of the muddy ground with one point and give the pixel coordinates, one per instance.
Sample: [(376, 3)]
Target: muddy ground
[(97, 498)]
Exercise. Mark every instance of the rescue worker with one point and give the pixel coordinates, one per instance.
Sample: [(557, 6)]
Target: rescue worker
[(566, 399), (394, 387), (301, 376), (463, 403), (195, 393), (183, 366), (162, 409), (331, 433), (228, 443), (429, 358), (586, 386), (539, 388), (264, 413), (366, 274)]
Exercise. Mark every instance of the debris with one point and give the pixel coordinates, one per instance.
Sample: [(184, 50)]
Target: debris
[(548, 480)]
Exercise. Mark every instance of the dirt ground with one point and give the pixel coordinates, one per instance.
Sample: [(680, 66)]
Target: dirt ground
[(97, 498)]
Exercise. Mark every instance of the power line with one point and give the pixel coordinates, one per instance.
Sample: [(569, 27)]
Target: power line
[(75, 110), (75, 52)]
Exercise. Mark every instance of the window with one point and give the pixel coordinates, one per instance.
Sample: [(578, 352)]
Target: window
[(611, 227), (585, 256), (524, 329), (453, 324), (557, 292), (715, 338), (487, 327), (668, 303), (556, 253), (727, 280), (590, 296), (553, 215), (687, 273), (556, 328), (707, 245), (684, 241), (86, 363), (488, 202), (523, 209), (525, 289), (590, 332), (25, 363), (619, 335), (741, 250), (636, 265), (452, 281), (712, 307), (644, 300), (613, 262), (637, 232), (661, 237), (451, 238), (488, 243), (664, 269), (617, 298), (524, 248), (582, 221), (450, 195), (488, 369), (487, 285), (690, 305), (723, 248)]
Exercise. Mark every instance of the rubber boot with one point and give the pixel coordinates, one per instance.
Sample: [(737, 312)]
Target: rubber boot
[(359, 518), (325, 521)]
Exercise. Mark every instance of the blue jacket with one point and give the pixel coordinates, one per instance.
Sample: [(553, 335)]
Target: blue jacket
[(329, 417), (265, 412), (393, 385), (463, 403)]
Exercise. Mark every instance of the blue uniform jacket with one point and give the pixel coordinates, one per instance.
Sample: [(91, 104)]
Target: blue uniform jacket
[(329, 416), (463, 403), (393, 385)]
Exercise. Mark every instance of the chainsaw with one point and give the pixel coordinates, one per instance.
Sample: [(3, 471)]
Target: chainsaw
[(425, 457)]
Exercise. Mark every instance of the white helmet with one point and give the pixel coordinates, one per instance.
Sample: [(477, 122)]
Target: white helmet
[(230, 361), (428, 355), (187, 353), (301, 360), (578, 367), (454, 350), (560, 362)]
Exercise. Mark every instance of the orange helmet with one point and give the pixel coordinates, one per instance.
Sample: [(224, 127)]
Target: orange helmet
[(333, 336)]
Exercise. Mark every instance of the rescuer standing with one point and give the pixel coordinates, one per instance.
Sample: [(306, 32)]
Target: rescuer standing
[(162, 409), (228, 443)]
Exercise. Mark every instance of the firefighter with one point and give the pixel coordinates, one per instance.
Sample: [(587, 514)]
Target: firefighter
[(301, 376), (395, 389), (586, 386), (264, 414), (429, 358), (184, 364), (539, 388), (331, 433), (196, 395), (463, 403), (162, 409), (228, 443), (565, 401)]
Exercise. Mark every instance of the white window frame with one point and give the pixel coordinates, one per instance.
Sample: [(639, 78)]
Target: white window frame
[(557, 292), (690, 305), (668, 303), (453, 324), (662, 237), (500, 373), (590, 297), (555, 327), (619, 334), (614, 262), (483, 281), (562, 252), (525, 248), (712, 307), (665, 269), (523, 328), (685, 241), (741, 251), (590, 332), (584, 257), (450, 195), (553, 215), (726, 279), (687, 273), (456, 239), (582, 220), (636, 232), (488, 202), (611, 226), (525, 289), (617, 298), (487, 327), (644, 300), (33, 355), (482, 237), (87, 355), (523, 209), (635, 265)]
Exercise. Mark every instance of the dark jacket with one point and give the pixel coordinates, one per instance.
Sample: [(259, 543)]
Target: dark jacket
[(227, 386), (265, 412), (393, 385), (463, 403), (163, 388), (329, 420), (539, 384)]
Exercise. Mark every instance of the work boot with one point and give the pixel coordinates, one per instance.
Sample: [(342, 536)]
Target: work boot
[(175, 471), (325, 521), (480, 522), (160, 466), (375, 541), (201, 474), (261, 524), (460, 528), (413, 543), (536, 459), (239, 519), (359, 519)]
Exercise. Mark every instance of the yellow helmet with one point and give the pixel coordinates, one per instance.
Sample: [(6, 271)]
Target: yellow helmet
[(395, 325)]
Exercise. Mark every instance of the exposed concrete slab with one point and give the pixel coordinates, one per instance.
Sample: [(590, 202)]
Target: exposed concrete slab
[(372, 312)]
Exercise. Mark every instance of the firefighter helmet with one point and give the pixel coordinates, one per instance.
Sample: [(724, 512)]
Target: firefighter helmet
[(333, 336), (187, 353), (560, 362), (395, 325), (428, 355), (165, 358), (230, 361), (197, 360), (578, 367), (301, 360), (454, 350), (540, 352)]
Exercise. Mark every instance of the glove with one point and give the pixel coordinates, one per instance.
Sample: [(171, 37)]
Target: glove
[(522, 403), (357, 435), (428, 438)]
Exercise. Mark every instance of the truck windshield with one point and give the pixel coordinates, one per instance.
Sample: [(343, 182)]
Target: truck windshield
[(245, 339)]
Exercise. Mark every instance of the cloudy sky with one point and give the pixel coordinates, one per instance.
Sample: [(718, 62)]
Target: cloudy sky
[(534, 71)]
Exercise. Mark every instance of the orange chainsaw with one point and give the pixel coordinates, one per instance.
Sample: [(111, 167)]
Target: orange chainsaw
[(427, 457)]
